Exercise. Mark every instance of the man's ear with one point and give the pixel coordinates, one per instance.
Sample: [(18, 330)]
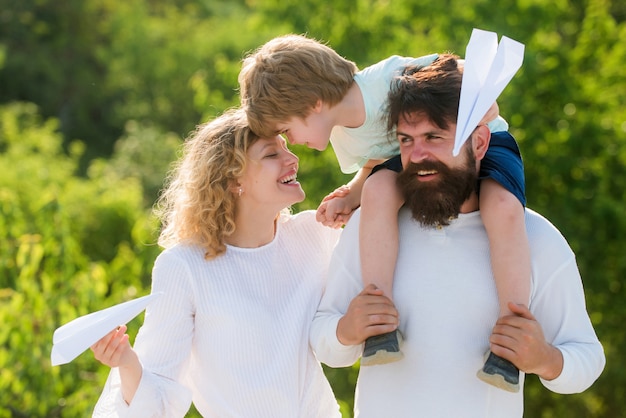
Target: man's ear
[(480, 141)]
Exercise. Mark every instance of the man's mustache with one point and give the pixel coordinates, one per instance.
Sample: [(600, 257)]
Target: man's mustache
[(414, 168)]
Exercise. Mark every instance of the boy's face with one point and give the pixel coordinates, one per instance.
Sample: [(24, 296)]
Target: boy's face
[(312, 131)]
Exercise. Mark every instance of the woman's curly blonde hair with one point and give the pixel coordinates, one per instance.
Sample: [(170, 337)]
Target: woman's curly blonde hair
[(197, 205)]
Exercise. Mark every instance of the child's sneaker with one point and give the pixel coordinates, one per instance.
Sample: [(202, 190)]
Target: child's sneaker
[(500, 373), (382, 349)]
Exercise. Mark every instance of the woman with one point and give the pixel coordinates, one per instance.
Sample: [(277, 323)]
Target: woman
[(241, 280)]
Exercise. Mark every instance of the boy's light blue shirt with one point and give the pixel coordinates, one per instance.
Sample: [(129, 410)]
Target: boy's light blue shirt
[(371, 141)]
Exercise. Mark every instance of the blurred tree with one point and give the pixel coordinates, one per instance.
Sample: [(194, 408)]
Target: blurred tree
[(574, 132), (104, 62), (143, 153), (52, 61), (119, 84), (68, 246)]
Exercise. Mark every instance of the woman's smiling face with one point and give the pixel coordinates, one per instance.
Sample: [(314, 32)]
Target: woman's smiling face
[(270, 176)]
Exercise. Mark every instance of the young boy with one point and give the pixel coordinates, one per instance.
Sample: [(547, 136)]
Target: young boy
[(303, 89)]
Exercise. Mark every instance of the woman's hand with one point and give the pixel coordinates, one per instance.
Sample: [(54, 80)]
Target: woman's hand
[(114, 350)]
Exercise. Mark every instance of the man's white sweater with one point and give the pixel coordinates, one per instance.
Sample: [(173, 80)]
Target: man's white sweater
[(446, 297)]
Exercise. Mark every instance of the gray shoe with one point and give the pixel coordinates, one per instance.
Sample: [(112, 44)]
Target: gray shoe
[(500, 373), (382, 349)]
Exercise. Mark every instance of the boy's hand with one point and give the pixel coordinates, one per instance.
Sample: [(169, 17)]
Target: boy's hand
[(336, 208), (340, 191), (335, 212)]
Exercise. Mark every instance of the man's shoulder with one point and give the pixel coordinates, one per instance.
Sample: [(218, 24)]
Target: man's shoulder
[(536, 220), (543, 234)]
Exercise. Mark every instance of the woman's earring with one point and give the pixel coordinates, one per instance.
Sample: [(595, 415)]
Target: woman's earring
[(240, 191)]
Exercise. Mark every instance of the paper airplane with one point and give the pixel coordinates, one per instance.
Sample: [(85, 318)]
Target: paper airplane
[(71, 339), (488, 69)]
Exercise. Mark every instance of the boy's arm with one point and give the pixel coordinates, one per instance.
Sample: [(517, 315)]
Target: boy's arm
[(347, 313), (357, 182)]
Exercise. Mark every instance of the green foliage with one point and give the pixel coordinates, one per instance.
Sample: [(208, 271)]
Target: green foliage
[(143, 153), (52, 44), (106, 62), (343, 382), (70, 246), (117, 85), (575, 171)]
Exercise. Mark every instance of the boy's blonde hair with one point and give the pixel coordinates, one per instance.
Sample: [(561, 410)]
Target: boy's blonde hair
[(285, 78), (197, 205)]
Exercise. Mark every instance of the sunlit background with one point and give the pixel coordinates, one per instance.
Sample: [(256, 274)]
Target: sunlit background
[(96, 96)]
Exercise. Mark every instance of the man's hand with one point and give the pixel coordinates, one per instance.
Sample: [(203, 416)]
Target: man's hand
[(369, 313), (519, 339)]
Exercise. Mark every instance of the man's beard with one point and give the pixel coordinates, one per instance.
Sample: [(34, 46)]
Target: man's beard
[(437, 202)]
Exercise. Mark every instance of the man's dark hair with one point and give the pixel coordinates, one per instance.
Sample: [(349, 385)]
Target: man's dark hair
[(433, 90)]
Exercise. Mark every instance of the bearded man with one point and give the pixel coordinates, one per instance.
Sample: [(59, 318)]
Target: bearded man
[(444, 294)]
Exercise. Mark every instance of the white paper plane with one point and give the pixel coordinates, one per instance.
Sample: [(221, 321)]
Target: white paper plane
[(488, 68), (71, 339)]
